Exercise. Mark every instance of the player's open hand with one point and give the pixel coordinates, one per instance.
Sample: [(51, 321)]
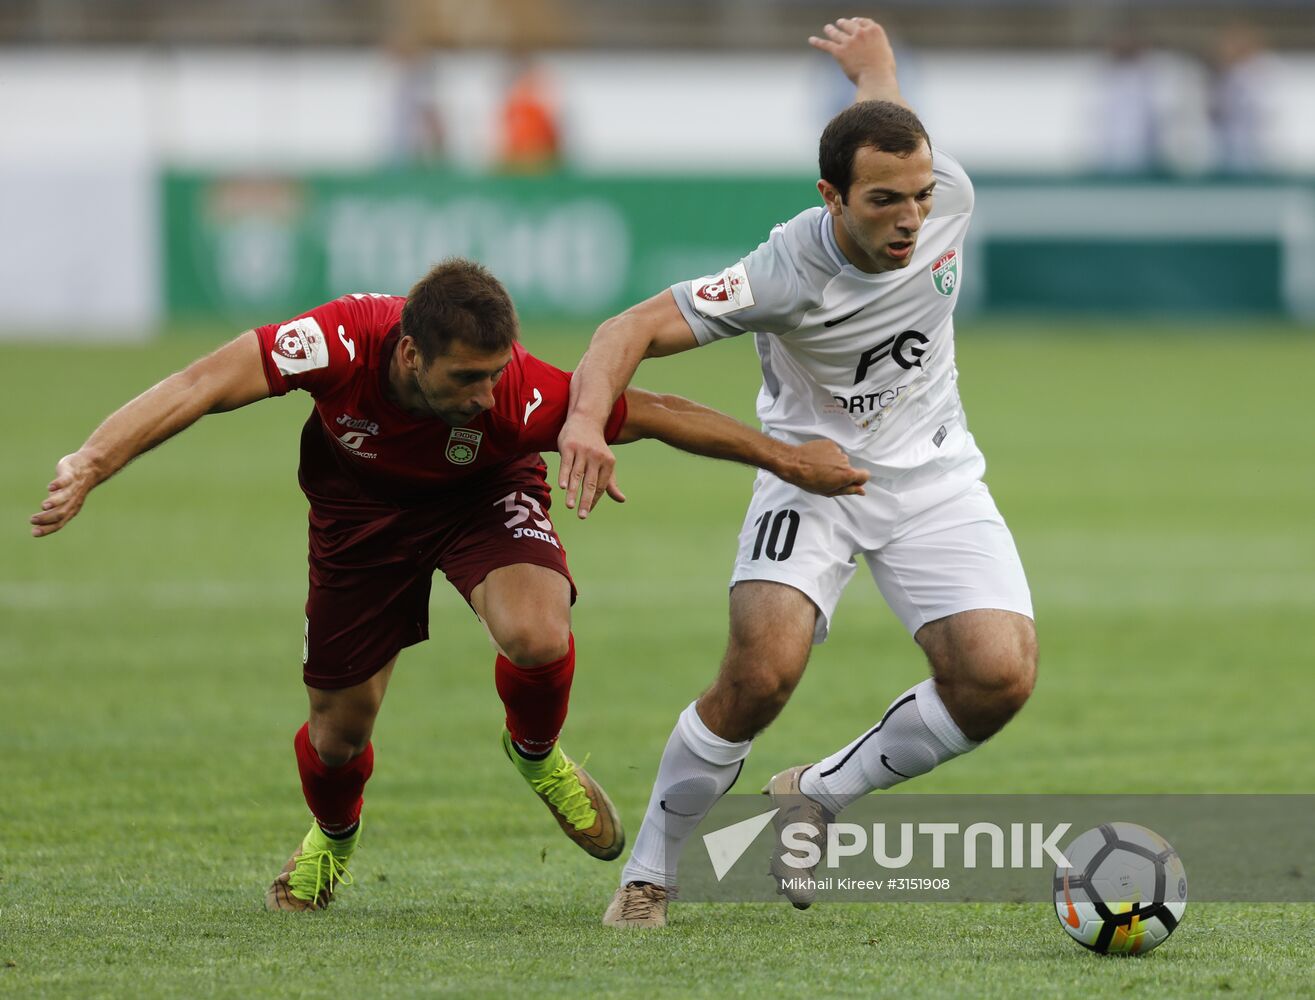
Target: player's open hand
[(822, 467), (587, 467), (74, 478), (860, 46)]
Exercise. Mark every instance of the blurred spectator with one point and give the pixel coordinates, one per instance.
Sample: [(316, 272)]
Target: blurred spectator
[(1241, 86), (416, 130), (1127, 125), (529, 139)]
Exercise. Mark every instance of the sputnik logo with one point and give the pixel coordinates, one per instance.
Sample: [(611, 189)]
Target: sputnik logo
[(727, 845)]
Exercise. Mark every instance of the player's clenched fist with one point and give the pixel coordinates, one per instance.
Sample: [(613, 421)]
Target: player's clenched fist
[(822, 467), (74, 478)]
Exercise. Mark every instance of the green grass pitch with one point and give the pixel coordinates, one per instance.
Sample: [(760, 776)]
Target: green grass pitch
[(1160, 484)]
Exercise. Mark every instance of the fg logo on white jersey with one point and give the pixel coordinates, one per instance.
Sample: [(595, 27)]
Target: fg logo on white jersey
[(906, 350)]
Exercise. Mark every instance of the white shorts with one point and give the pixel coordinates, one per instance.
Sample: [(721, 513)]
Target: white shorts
[(933, 552)]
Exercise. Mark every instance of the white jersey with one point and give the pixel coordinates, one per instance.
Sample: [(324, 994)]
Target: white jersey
[(866, 360)]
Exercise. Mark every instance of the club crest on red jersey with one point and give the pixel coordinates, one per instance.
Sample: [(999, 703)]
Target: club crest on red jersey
[(463, 445)]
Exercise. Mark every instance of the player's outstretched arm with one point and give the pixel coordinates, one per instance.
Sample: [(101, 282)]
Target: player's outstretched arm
[(653, 328), (817, 466), (860, 46), (230, 377)]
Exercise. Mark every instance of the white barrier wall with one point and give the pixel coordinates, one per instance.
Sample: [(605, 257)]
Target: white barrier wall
[(80, 253), (85, 132), (78, 163)]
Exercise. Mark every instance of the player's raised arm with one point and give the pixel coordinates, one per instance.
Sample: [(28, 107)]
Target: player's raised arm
[(817, 466), (230, 377), (653, 328), (863, 51)]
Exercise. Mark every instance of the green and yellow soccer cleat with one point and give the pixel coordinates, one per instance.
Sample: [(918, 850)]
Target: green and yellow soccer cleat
[(314, 871), (578, 803)]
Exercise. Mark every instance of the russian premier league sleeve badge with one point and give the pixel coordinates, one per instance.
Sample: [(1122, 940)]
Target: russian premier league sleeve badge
[(300, 347), (463, 445), (719, 294), (945, 272)]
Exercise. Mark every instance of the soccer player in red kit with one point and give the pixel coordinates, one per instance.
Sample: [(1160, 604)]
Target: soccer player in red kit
[(422, 453)]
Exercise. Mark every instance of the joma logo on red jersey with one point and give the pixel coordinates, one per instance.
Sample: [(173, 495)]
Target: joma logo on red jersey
[(347, 420), (353, 439)]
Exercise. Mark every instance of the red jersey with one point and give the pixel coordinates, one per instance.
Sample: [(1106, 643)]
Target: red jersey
[(359, 449)]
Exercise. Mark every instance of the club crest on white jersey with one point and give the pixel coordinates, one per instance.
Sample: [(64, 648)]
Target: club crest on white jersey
[(720, 294), (945, 272)]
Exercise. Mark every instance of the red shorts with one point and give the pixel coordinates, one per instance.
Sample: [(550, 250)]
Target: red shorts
[(370, 576)]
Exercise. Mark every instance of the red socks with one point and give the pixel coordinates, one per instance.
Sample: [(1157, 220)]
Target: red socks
[(535, 699), (333, 793)]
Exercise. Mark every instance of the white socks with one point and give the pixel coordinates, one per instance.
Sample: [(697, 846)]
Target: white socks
[(914, 735), (698, 767)]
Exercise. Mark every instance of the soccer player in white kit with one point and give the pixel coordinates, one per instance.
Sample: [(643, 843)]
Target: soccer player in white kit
[(851, 308)]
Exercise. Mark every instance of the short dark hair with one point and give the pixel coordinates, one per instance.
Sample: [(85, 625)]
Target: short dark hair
[(459, 300), (883, 125)]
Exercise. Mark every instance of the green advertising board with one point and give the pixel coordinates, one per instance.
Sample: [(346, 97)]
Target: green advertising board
[(570, 247), (567, 247)]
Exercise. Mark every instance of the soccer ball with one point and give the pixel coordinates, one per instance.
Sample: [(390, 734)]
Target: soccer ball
[(1125, 892)]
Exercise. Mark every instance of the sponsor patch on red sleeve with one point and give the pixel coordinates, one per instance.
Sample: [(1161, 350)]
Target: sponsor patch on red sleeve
[(300, 346), (719, 294)]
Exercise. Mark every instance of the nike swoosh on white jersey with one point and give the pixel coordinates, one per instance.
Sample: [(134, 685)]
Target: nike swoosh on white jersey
[(531, 407), (348, 343)]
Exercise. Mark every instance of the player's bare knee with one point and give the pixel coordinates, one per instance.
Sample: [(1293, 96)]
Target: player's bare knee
[(766, 692), (754, 699), (1025, 679), (986, 692), (745, 698), (1008, 687), (342, 721), (984, 674), (338, 747), (536, 645), (1014, 673)]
